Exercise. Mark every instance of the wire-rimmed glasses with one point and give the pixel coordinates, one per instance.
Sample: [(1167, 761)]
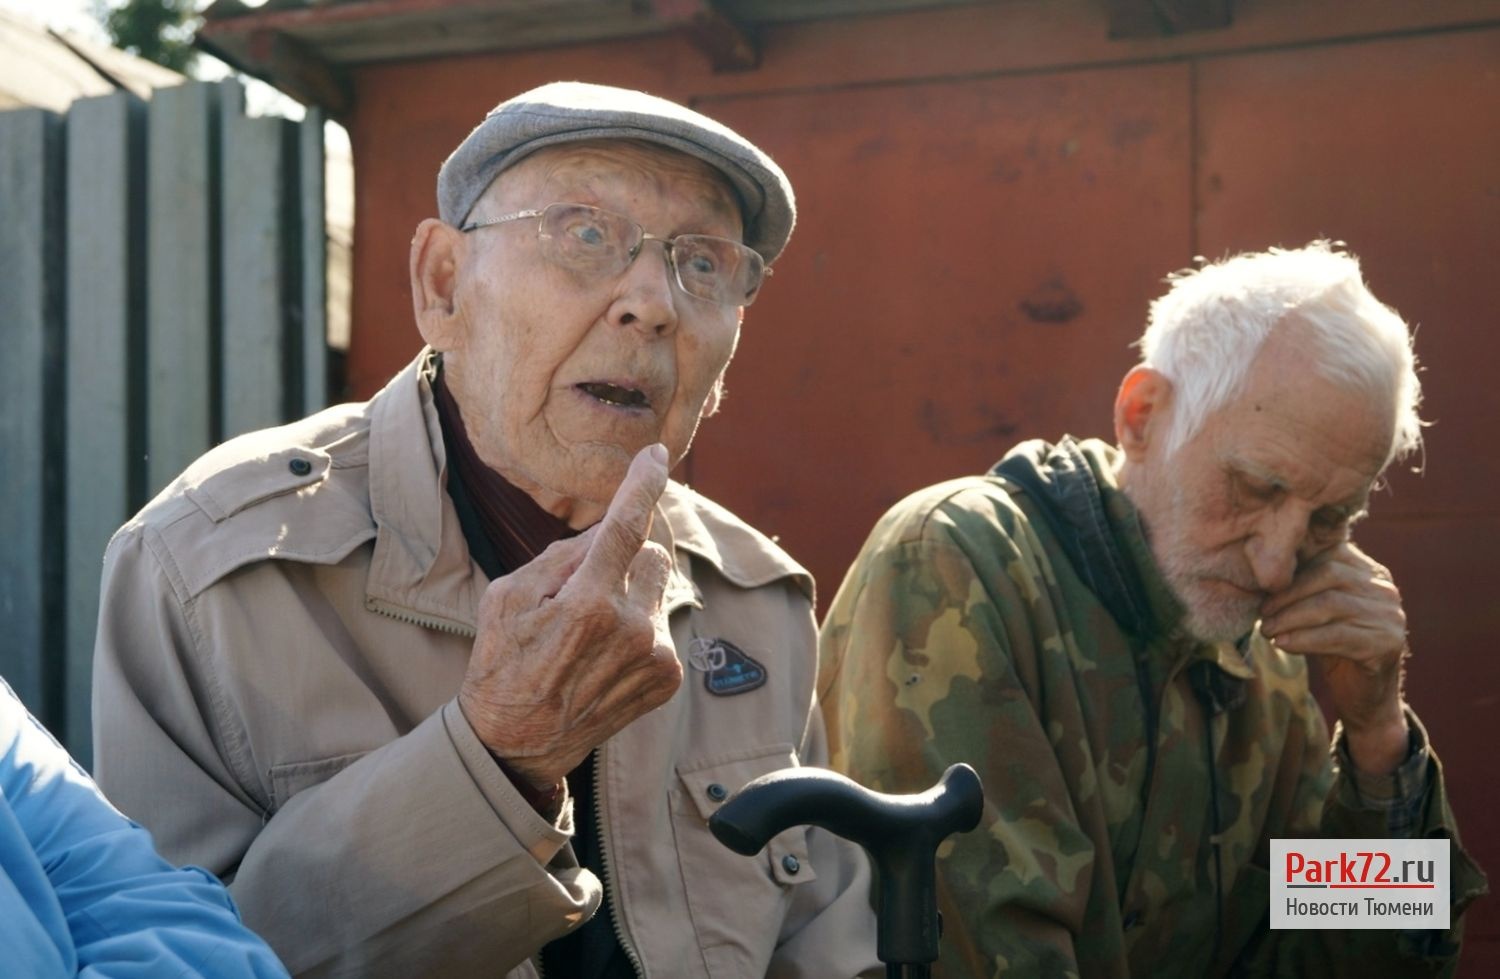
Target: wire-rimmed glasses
[(599, 243)]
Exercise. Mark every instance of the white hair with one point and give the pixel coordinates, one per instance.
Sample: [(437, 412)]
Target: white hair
[(1204, 334)]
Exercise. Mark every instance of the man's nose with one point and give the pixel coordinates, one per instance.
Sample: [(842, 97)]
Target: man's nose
[(647, 300), (1274, 547)]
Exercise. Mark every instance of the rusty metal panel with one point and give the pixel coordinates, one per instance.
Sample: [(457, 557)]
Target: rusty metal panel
[(970, 265), (1441, 564), (807, 43), (1167, 18), (971, 262), (409, 115), (1391, 146)]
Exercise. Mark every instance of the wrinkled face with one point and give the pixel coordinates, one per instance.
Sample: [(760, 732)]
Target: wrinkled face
[(1273, 479), (561, 379)]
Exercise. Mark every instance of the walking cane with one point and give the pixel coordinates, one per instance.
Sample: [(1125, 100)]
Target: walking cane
[(901, 833)]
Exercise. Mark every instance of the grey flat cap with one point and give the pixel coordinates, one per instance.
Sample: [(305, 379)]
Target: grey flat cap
[(563, 112)]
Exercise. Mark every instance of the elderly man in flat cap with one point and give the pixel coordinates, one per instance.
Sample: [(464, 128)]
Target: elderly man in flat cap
[(448, 683)]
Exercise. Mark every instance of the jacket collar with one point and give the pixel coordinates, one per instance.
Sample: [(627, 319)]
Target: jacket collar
[(421, 569), (1074, 485), (738, 552)]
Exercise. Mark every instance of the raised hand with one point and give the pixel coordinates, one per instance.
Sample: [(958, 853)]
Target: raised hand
[(1343, 609), (575, 645)]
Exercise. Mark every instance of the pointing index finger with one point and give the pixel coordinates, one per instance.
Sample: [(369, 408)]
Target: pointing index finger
[(627, 524)]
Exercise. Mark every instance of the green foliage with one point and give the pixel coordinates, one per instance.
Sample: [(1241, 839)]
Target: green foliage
[(157, 30)]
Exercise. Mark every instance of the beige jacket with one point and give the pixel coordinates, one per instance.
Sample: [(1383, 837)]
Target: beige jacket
[(282, 634)]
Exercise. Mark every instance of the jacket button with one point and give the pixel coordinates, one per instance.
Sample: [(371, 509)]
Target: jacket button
[(790, 864), (299, 467), (717, 792)]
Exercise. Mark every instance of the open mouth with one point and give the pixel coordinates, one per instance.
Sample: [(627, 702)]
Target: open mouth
[(614, 395)]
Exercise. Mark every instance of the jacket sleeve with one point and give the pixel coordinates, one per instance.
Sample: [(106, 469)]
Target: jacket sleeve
[(417, 858), (90, 885), (829, 931), (1411, 803), (919, 674)]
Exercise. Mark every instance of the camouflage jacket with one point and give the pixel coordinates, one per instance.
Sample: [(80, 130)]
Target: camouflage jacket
[(983, 622)]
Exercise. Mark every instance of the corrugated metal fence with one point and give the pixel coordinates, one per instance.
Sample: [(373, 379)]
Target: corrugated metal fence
[(162, 288)]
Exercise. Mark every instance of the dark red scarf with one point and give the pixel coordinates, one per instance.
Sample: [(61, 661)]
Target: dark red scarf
[(516, 527)]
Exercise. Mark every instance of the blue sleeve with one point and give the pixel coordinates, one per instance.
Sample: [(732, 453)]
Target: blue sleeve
[(83, 891), (33, 930)]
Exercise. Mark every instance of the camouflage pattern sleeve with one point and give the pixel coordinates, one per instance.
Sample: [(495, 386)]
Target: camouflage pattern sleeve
[(917, 675), (1404, 810)]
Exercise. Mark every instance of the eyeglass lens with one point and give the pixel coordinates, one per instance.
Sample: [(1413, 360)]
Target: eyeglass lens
[(600, 243)]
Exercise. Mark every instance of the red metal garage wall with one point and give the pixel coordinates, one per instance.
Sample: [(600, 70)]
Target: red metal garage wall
[(981, 232), (967, 277)]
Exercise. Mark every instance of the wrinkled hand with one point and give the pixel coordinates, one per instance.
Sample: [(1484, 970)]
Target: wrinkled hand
[(574, 646), (1343, 609)]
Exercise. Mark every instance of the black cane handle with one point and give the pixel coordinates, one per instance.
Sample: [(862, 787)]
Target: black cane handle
[(900, 832)]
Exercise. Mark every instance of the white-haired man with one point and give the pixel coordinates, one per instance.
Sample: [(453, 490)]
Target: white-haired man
[(410, 673), (1118, 637)]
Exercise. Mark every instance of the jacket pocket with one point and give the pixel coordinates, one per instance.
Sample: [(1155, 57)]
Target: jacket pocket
[(287, 780), (737, 903)]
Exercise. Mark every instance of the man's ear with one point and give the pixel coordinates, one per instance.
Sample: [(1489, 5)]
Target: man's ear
[(1141, 410), (436, 256)]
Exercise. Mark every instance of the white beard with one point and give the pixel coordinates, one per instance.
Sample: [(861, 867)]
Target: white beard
[(1212, 614)]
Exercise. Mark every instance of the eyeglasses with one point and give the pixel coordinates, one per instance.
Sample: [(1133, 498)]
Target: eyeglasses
[(602, 244)]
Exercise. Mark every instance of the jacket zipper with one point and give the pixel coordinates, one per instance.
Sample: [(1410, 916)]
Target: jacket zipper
[(1151, 703), (609, 882), (458, 628), (614, 919), (1153, 729), (400, 614)]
